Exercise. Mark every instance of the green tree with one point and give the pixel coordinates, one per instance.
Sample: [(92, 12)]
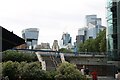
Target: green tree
[(18, 56), (31, 71), (51, 75), (87, 46), (81, 47), (94, 45), (10, 69), (67, 71), (23, 71), (64, 50), (103, 41)]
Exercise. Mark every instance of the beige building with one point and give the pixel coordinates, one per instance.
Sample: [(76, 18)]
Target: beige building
[(22, 46), (43, 46), (55, 46)]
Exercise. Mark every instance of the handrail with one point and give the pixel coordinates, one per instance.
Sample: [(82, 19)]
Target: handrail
[(89, 53), (54, 61)]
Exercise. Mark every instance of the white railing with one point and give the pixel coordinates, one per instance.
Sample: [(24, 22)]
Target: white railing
[(62, 57), (40, 60)]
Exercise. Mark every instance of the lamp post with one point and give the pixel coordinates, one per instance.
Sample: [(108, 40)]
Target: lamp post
[(85, 51), (75, 50)]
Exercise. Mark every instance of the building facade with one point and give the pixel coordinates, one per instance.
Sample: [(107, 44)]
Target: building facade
[(43, 46), (113, 30), (66, 39), (82, 32), (79, 39), (91, 31), (90, 19), (30, 36), (55, 46), (93, 26)]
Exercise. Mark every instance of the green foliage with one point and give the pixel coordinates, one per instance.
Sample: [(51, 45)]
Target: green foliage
[(67, 71), (10, 69), (94, 45), (31, 71), (23, 71), (64, 50), (51, 75), (103, 42), (18, 56)]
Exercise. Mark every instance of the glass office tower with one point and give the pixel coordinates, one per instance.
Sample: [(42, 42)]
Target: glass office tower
[(31, 37), (113, 30), (66, 39)]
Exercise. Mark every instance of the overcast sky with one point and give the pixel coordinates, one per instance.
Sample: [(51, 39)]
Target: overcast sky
[(52, 17)]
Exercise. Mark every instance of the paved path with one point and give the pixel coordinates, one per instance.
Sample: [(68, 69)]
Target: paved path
[(103, 78)]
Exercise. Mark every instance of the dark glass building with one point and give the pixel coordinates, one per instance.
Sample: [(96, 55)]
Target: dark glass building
[(113, 30)]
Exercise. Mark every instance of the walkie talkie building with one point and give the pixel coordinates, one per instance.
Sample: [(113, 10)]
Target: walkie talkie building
[(31, 37)]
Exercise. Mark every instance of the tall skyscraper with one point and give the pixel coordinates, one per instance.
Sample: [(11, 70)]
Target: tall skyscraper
[(93, 25), (31, 37), (91, 19), (81, 35), (113, 30), (66, 39)]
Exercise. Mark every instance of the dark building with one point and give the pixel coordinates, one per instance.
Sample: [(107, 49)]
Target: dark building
[(66, 39), (79, 39), (113, 30), (9, 40)]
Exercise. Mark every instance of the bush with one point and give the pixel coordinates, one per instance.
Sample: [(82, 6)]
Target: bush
[(51, 75), (23, 71), (31, 71), (18, 56), (10, 69), (67, 71)]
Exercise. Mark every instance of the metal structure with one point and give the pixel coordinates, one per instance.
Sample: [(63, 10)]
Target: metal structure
[(9, 40)]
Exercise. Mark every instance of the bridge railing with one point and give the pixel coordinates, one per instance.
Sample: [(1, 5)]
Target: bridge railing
[(72, 53), (93, 53)]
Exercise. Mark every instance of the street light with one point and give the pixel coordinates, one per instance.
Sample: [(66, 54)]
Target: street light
[(85, 51)]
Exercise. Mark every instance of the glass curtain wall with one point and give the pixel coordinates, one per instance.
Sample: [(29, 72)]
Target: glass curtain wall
[(113, 30)]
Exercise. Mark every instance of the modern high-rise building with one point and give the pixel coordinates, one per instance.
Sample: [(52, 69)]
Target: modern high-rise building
[(79, 39), (81, 35), (66, 39), (82, 31), (93, 25), (92, 31), (113, 30), (90, 19), (31, 37)]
